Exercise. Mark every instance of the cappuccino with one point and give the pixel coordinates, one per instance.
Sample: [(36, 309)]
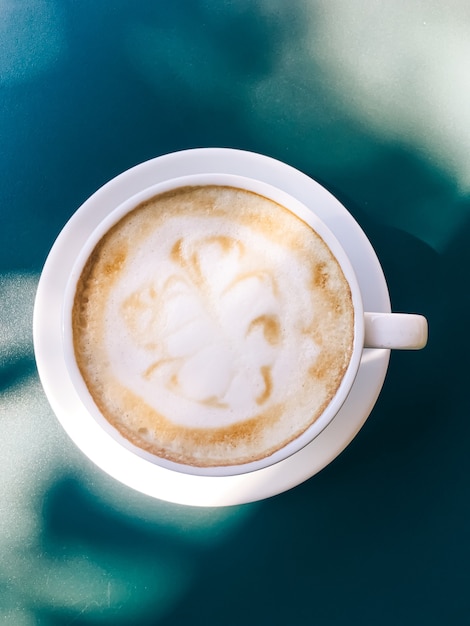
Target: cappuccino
[(212, 326)]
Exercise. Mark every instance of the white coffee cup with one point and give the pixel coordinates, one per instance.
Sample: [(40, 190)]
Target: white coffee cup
[(371, 329)]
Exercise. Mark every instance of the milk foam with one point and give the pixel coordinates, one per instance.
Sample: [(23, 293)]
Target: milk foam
[(201, 357), (207, 326)]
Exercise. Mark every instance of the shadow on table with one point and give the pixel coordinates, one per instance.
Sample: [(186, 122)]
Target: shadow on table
[(380, 535)]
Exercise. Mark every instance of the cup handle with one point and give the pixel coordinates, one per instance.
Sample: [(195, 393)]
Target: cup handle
[(400, 331)]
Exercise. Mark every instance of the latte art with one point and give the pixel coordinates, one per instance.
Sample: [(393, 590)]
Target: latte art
[(212, 326)]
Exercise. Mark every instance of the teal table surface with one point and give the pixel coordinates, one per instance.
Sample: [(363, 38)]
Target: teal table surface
[(373, 101)]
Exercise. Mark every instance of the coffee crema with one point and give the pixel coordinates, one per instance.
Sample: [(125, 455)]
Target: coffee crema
[(212, 326)]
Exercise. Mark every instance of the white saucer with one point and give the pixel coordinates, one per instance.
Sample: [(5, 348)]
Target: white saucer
[(141, 474)]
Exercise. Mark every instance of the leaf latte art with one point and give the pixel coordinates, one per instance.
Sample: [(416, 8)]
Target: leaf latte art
[(212, 326), (190, 320)]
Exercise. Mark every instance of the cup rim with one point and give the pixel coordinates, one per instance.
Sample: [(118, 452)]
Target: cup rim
[(308, 215)]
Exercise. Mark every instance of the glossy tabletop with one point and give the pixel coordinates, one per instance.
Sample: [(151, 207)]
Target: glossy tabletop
[(372, 100)]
